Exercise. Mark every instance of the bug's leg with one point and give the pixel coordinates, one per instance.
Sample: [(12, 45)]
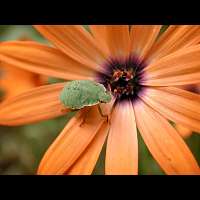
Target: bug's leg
[(103, 115), (64, 110), (86, 113)]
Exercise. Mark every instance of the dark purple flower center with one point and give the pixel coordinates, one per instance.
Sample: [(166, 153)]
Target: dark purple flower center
[(122, 78)]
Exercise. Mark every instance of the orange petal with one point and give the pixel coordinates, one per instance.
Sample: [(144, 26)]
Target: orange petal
[(179, 68), (10, 75), (76, 42), (191, 88), (174, 38), (142, 39), (100, 34), (183, 131), (175, 104), (34, 105), (164, 143), (122, 145), (118, 40), (42, 59), (87, 161), (72, 142)]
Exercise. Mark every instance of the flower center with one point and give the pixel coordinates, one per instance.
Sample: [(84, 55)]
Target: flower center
[(122, 78)]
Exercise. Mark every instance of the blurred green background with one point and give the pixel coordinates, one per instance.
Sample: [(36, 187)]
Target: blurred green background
[(21, 148)]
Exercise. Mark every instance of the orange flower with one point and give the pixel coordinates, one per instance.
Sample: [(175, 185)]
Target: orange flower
[(144, 95), (14, 81)]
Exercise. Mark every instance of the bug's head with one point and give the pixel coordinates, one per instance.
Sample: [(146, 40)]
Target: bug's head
[(105, 97)]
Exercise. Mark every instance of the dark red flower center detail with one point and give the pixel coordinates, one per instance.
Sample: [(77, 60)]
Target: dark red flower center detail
[(122, 78)]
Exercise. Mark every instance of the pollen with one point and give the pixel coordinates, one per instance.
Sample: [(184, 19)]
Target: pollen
[(122, 82)]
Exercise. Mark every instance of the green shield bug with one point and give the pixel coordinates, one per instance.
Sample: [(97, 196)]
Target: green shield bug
[(82, 93)]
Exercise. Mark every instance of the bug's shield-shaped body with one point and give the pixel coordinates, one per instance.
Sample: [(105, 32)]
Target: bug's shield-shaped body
[(81, 93)]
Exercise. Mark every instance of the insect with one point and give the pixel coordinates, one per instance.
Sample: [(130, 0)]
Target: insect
[(82, 93)]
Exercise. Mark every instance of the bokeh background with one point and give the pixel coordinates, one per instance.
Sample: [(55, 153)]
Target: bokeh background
[(22, 147)]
